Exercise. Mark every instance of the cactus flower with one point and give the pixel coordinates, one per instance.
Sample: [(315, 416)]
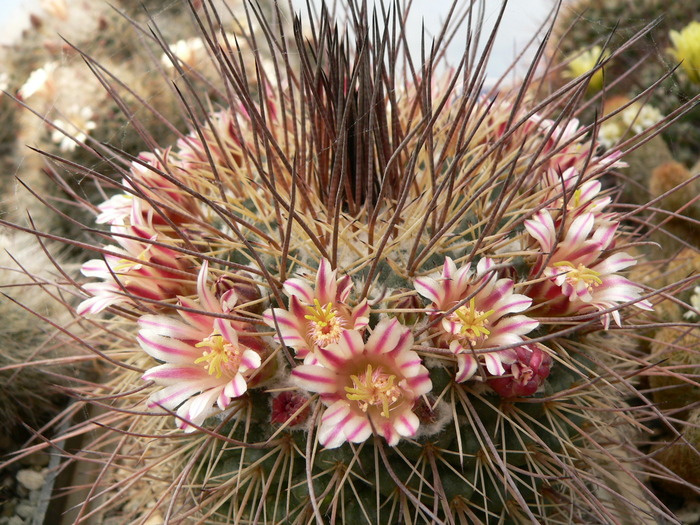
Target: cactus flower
[(317, 316), (207, 362), (136, 269), (367, 386), (483, 318), (583, 63), (581, 275)]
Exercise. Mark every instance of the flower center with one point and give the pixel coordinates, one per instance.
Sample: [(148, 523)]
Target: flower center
[(325, 326), (220, 355), (575, 274), (473, 322), (374, 388), (125, 264)]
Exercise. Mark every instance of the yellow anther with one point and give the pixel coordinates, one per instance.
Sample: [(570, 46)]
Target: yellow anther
[(321, 315), (221, 353), (325, 326), (373, 388), (125, 264), (580, 273), (473, 321)]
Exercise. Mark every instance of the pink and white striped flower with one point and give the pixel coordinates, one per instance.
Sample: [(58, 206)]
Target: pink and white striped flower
[(582, 197), (136, 269), (367, 387), (317, 316), (581, 270), (207, 360), (146, 179), (472, 313)]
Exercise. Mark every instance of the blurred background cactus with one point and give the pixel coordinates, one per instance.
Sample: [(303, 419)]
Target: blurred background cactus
[(335, 283), (671, 40)]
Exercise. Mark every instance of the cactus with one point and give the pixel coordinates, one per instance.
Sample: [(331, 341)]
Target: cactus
[(345, 298)]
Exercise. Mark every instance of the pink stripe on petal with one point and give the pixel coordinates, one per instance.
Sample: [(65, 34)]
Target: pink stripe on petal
[(172, 396), (493, 364), (325, 283), (300, 289), (344, 288), (406, 424), (331, 358), (250, 360), (541, 228), (517, 324), (420, 384), (360, 315), (448, 269), (168, 373), (387, 430), (385, 337), (405, 341), (357, 429), (166, 349), (336, 412), (501, 289), (167, 326), (315, 379), (579, 229), (223, 400), (467, 367), (292, 340), (236, 387), (351, 342), (223, 328), (429, 288), (286, 320), (331, 436), (95, 268), (514, 304)]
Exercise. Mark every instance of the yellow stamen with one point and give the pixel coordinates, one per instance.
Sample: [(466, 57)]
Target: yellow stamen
[(222, 354), (325, 326), (577, 198), (125, 264), (578, 273), (373, 388), (473, 321)]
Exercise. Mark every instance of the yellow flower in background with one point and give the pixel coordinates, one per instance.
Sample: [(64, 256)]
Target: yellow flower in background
[(686, 49), (582, 62)]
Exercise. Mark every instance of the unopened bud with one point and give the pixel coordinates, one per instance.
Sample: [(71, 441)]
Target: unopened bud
[(285, 406), (525, 375), (247, 292), (408, 307)]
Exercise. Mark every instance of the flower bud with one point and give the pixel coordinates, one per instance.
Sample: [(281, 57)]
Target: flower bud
[(284, 407), (407, 301), (246, 291), (525, 375)]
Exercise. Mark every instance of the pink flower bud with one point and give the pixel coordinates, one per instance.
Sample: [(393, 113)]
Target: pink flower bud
[(285, 405), (525, 375), (245, 289), (407, 302)]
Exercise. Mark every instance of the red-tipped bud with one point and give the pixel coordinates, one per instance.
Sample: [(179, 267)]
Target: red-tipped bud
[(247, 292), (408, 307), (284, 407), (426, 414), (525, 375)]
